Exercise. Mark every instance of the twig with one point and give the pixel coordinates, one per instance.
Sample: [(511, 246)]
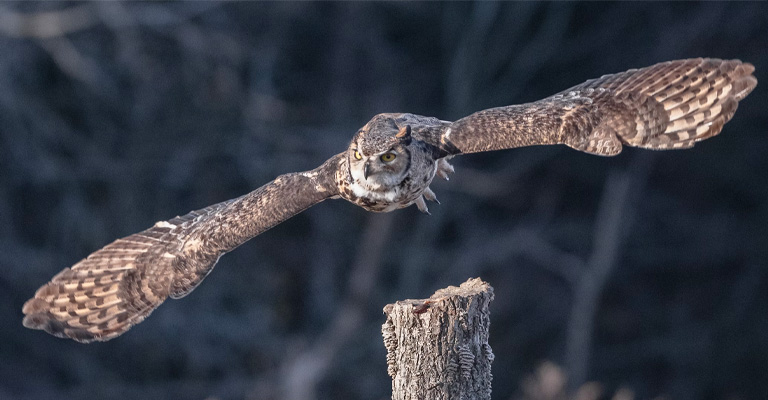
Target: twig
[(611, 226), (301, 374)]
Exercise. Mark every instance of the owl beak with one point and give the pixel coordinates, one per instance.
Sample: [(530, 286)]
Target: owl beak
[(366, 169)]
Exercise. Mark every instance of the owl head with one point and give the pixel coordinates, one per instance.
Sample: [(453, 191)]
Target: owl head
[(378, 155)]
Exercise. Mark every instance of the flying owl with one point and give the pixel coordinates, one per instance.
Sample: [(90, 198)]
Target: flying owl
[(388, 165)]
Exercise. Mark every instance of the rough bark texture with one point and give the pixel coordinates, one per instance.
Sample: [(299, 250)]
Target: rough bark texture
[(438, 348)]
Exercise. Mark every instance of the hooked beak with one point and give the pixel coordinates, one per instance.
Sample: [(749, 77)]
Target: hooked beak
[(365, 171)]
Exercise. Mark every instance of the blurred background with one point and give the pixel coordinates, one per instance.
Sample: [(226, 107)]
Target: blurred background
[(644, 274)]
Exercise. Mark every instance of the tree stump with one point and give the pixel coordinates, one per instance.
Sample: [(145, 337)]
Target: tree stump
[(438, 348)]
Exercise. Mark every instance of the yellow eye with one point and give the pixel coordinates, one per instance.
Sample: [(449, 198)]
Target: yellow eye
[(358, 156), (388, 157)]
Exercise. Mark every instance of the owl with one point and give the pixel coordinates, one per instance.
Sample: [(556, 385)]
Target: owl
[(389, 164)]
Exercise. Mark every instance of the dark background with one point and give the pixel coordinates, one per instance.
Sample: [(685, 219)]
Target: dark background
[(645, 271)]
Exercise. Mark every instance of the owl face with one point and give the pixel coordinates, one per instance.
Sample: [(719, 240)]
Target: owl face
[(378, 156)]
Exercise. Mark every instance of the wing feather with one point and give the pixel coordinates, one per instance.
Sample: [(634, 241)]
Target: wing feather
[(116, 287), (670, 105)]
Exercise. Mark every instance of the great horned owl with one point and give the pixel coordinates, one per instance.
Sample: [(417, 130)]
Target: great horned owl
[(389, 164)]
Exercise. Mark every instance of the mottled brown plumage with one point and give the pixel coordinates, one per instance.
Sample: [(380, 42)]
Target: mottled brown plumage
[(118, 286), (670, 105), (389, 164)]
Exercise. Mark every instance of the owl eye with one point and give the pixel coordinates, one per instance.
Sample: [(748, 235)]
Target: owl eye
[(358, 156), (388, 157)]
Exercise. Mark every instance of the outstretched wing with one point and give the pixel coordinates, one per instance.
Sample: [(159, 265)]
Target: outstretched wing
[(118, 286), (669, 105)]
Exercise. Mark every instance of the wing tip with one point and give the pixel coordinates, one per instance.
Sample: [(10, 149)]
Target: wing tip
[(37, 316), (86, 315), (45, 321), (41, 319), (744, 86), (744, 79), (33, 306)]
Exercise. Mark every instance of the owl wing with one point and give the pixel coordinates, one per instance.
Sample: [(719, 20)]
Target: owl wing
[(118, 286), (670, 105)]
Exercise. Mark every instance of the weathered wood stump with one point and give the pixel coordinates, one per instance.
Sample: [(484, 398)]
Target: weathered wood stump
[(438, 348)]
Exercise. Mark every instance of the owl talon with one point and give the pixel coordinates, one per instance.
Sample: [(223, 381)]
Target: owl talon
[(443, 168), (422, 205), (430, 195)]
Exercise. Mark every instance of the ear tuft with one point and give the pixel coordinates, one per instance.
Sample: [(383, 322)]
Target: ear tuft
[(405, 132)]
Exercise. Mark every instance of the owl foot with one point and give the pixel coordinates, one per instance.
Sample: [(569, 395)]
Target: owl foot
[(443, 168), (422, 205), (430, 195)]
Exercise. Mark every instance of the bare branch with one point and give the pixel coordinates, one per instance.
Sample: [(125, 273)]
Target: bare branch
[(301, 374), (48, 24), (611, 226)]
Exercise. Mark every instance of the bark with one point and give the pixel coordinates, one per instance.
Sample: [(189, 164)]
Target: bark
[(438, 348)]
